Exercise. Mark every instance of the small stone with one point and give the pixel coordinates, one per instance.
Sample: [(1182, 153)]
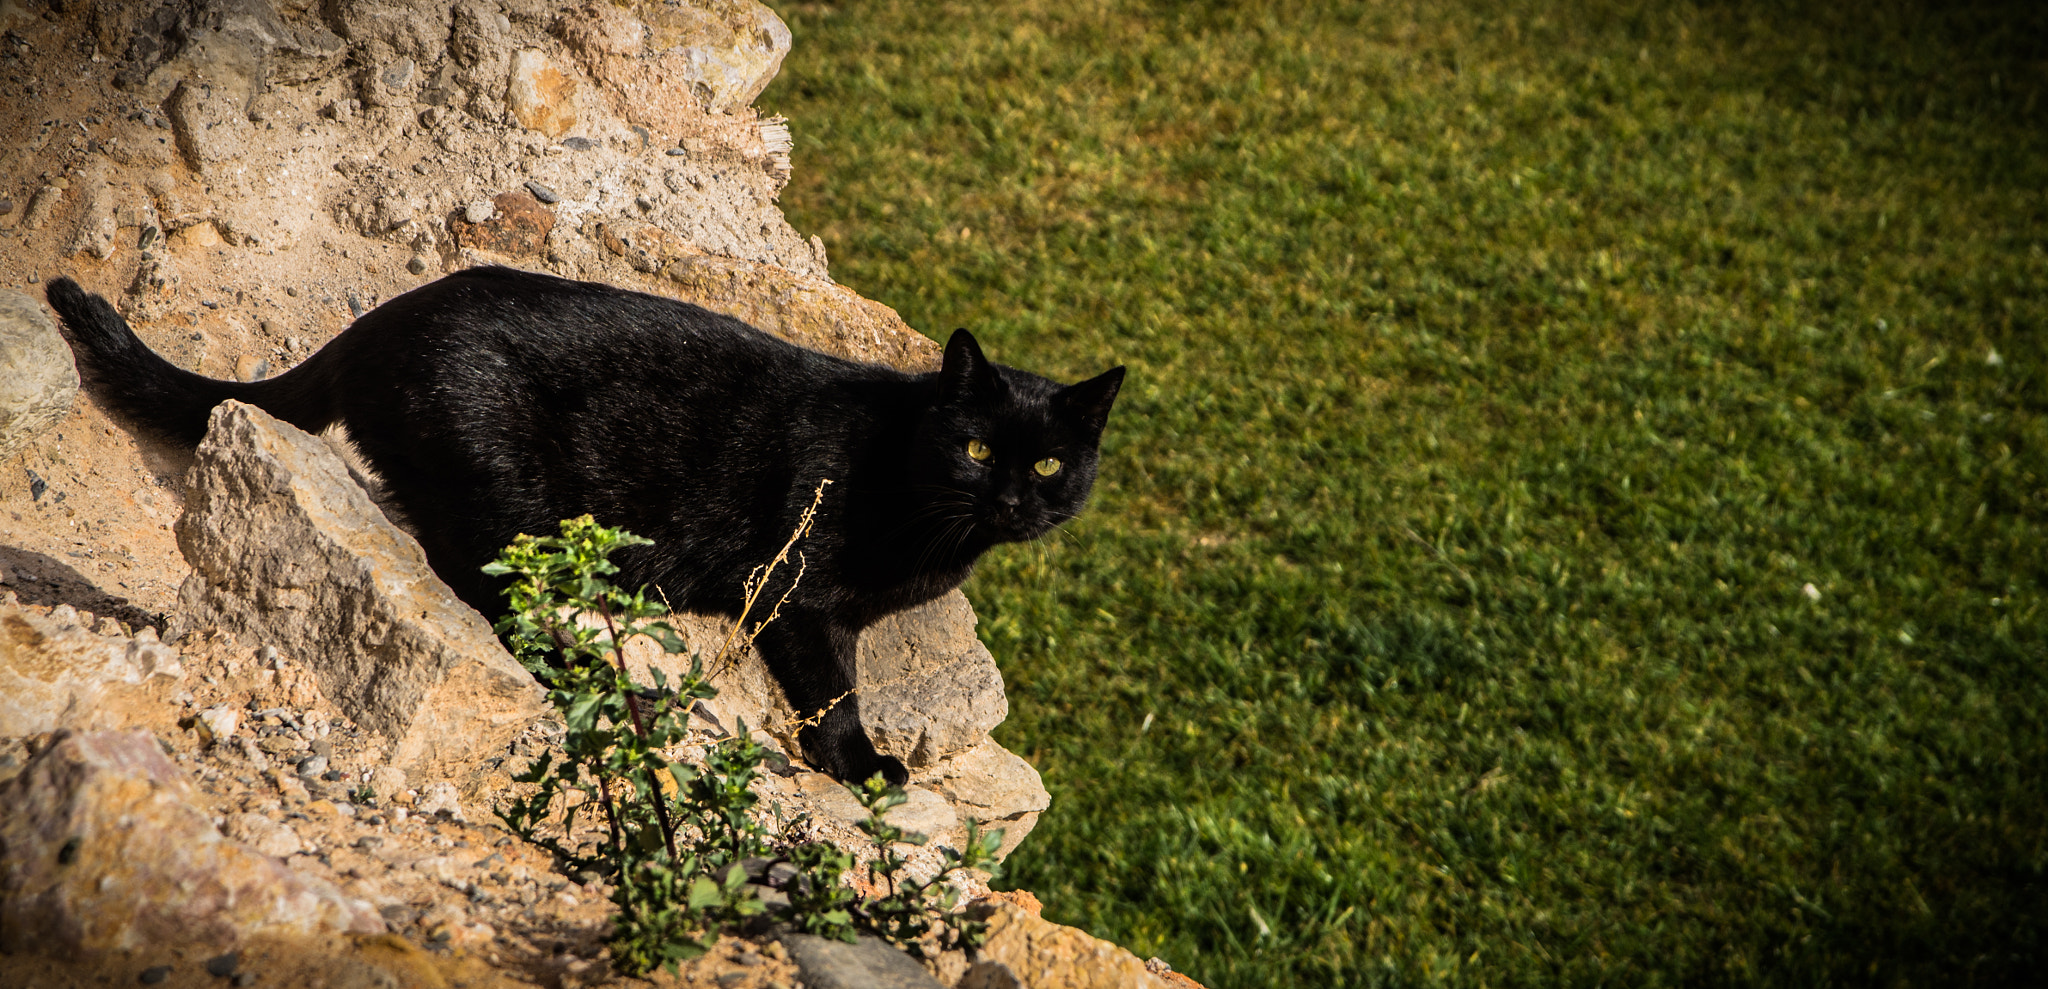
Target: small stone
[(224, 965), (543, 193), (312, 766), (245, 978), (675, 152), (155, 974), (218, 724), (6, 206), (441, 799), (479, 211), (417, 265)]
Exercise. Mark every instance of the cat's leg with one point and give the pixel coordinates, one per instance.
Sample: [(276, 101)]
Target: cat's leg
[(812, 658)]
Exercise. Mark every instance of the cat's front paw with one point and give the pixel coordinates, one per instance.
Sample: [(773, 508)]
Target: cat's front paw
[(852, 758)]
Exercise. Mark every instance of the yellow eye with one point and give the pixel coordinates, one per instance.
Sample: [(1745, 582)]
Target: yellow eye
[(979, 450), (1047, 467)]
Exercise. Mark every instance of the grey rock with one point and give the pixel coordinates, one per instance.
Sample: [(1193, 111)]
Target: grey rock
[(543, 193), (869, 963), (37, 377), (287, 549), (928, 688)]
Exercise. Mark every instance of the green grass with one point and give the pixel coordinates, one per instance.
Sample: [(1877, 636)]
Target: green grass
[(1500, 376)]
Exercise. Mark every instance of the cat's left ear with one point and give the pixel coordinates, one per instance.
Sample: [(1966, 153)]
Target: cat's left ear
[(1090, 400), (965, 371)]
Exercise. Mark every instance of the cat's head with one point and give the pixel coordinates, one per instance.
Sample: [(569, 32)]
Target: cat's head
[(1004, 455)]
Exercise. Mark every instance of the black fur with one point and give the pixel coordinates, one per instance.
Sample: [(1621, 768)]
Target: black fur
[(495, 402)]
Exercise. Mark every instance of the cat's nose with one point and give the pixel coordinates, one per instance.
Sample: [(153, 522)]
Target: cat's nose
[(1007, 499)]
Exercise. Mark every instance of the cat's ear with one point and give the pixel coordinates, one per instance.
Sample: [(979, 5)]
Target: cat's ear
[(1090, 400), (966, 371)]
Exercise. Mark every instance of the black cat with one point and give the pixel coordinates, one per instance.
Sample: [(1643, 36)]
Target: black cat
[(494, 402)]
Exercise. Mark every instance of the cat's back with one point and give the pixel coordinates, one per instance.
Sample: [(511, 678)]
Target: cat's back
[(491, 310)]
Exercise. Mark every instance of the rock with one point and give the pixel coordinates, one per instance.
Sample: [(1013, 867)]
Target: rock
[(925, 813), (40, 206), (210, 124), (929, 689), (546, 195), (540, 97), (387, 782), (869, 963), (514, 223), (217, 724), (96, 220), (1025, 951), (265, 836), (38, 379), (288, 550), (803, 309), (991, 785), (722, 52), (645, 246), (104, 848), (440, 798), (55, 674), (416, 29)]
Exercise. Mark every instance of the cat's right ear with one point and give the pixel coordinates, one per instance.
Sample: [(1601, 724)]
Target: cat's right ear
[(965, 371)]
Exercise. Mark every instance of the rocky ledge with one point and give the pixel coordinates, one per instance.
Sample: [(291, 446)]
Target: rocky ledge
[(247, 735)]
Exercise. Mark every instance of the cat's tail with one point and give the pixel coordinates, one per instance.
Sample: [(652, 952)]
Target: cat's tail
[(137, 384)]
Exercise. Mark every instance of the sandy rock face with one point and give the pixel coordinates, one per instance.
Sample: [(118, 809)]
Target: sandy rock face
[(720, 53), (54, 674), (37, 378), (803, 309), (103, 849), (289, 551), (1026, 951)]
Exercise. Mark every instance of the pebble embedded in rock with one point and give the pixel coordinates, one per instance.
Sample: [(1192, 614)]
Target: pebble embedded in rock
[(578, 143), (543, 193), (155, 974), (479, 211), (224, 965)]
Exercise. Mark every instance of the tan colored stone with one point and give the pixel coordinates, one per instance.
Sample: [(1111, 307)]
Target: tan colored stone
[(541, 96), (722, 53), (38, 379), (1025, 951), (287, 550), (995, 787), (645, 246), (520, 227), (804, 310), (55, 674), (929, 689), (103, 848)]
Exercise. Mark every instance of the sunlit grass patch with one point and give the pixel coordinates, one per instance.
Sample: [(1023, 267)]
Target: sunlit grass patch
[(1502, 376)]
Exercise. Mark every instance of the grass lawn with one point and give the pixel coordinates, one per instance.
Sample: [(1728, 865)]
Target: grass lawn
[(1579, 510)]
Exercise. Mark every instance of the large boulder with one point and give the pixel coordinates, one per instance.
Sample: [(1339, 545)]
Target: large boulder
[(287, 550), (104, 848), (37, 378)]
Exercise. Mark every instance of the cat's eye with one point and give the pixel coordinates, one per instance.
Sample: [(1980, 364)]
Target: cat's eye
[(1047, 467), (979, 450)]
